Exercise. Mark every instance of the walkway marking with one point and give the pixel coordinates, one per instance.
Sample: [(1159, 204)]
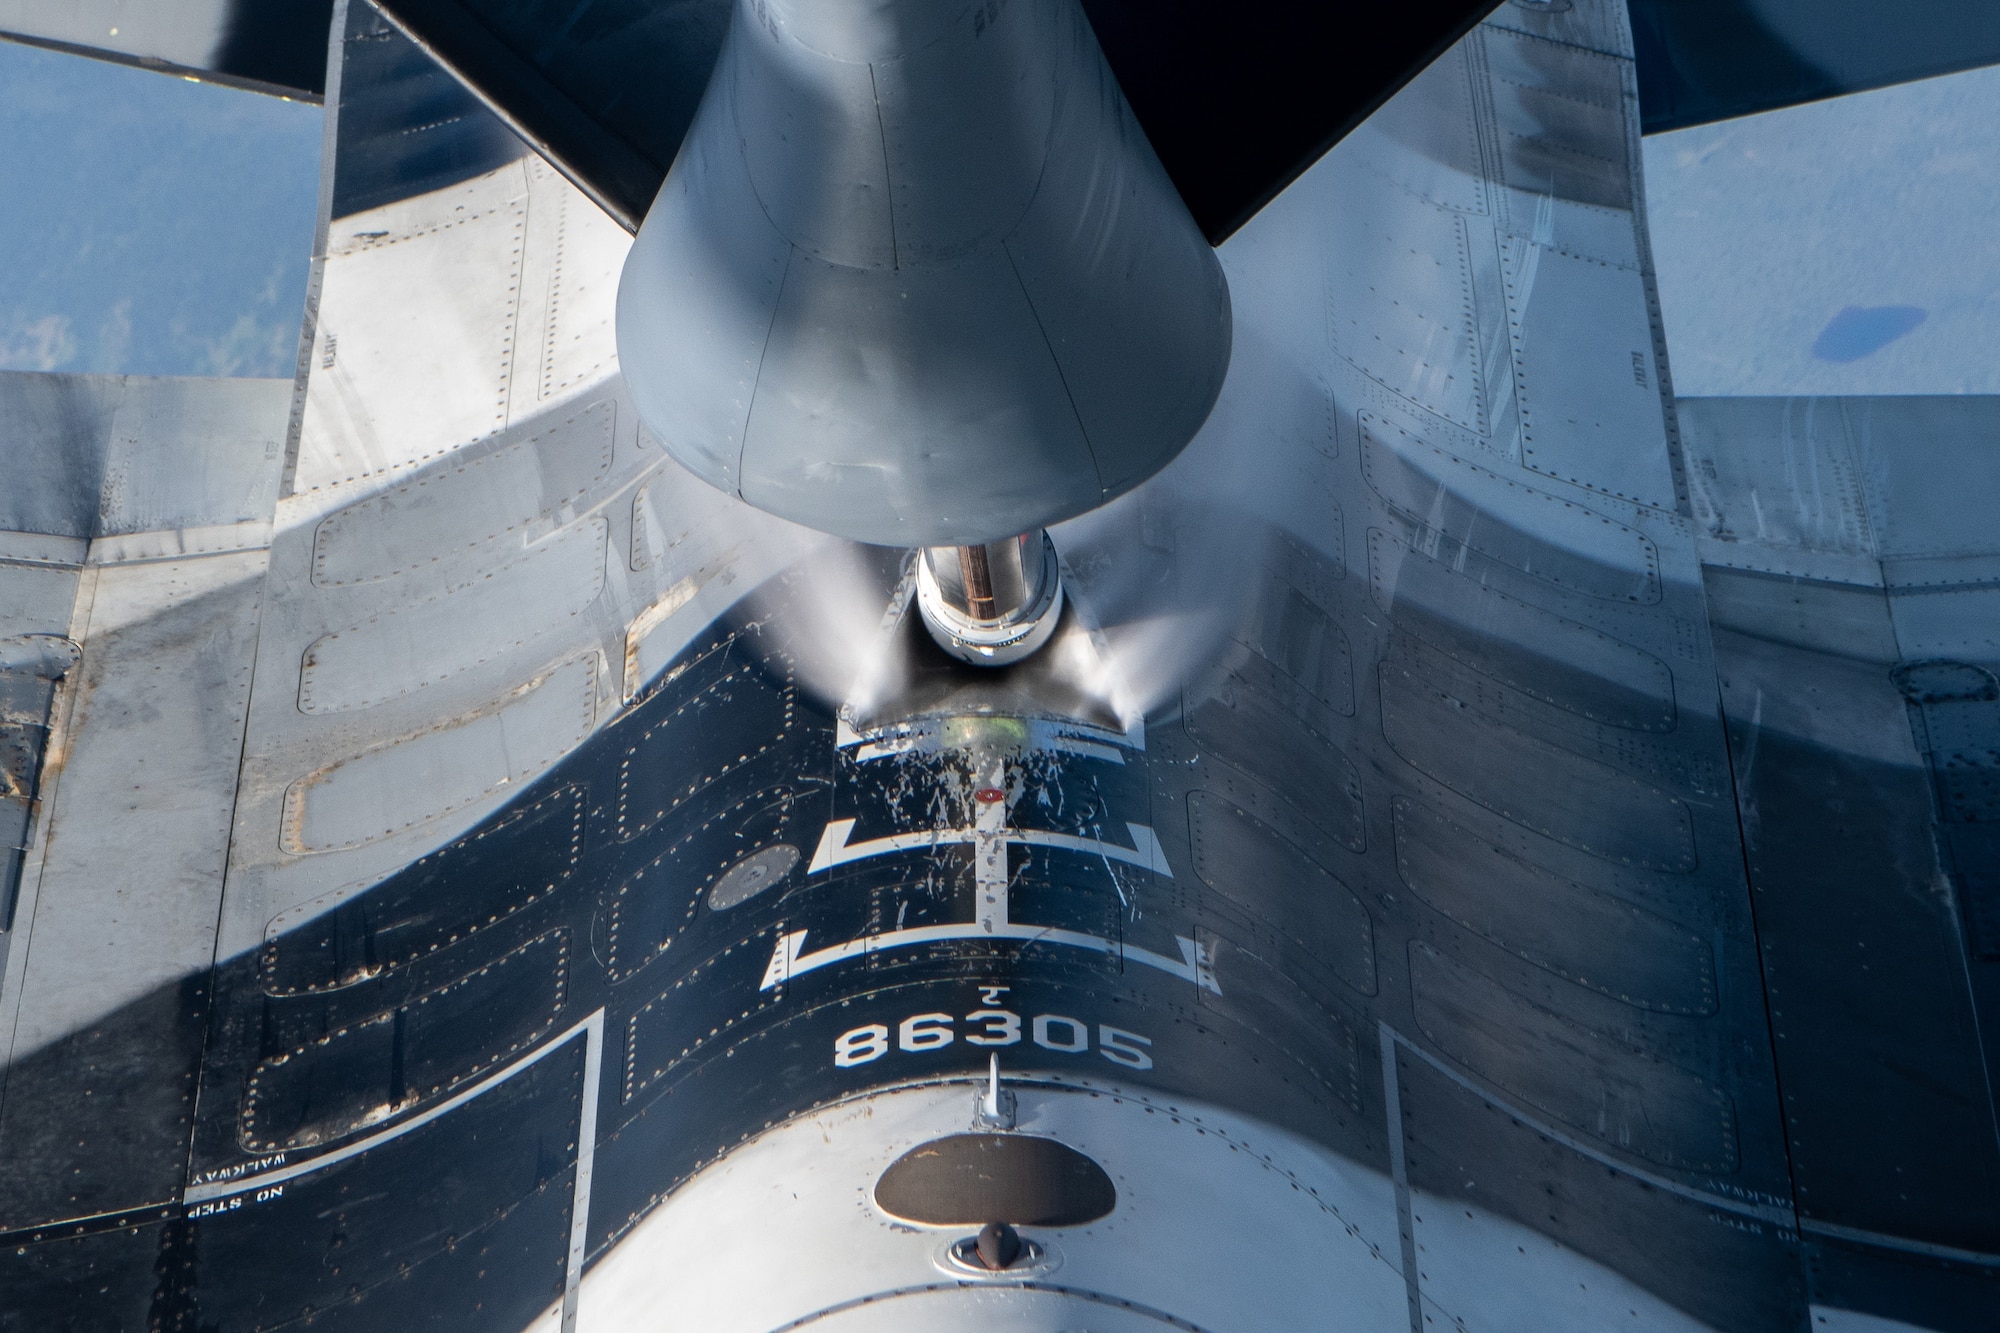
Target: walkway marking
[(835, 849), (592, 1031), (990, 838), (789, 958)]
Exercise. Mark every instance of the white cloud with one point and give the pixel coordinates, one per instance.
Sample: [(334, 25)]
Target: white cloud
[(47, 343)]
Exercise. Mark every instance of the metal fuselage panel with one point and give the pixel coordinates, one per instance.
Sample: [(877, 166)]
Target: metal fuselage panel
[(1376, 797)]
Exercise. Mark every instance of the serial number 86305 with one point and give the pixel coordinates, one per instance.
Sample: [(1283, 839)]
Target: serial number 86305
[(991, 1027)]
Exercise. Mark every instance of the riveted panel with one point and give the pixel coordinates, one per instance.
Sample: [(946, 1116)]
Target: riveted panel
[(656, 903), (1578, 801), (367, 1072), (1564, 130), (1581, 934), (1559, 112), (1259, 989), (499, 497), (702, 1007), (406, 648), (514, 860), (1258, 870), (1541, 654), (1583, 374), (1589, 1080), (1522, 535), (449, 264), (32, 667), (1313, 825), (1400, 301), (1261, 721), (1426, 138), (415, 779), (1292, 636), (1958, 729), (1680, 769), (1775, 486), (709, 719)]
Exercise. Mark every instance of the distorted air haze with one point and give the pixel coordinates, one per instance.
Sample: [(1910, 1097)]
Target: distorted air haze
[(150, 224)]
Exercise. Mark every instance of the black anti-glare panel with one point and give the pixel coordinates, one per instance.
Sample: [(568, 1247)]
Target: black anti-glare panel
[(1705, 60), (605, 89), (406, 126), (1240, 99), (278, 42), (1236, 101)]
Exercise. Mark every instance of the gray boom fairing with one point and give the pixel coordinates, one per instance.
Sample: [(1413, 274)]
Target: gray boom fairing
[(917, 278)]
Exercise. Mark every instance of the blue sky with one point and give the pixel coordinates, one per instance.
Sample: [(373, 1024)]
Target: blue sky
[(149, 224)]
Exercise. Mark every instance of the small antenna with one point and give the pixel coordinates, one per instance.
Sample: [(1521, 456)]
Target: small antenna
[(994, 1107), (992, 1104)]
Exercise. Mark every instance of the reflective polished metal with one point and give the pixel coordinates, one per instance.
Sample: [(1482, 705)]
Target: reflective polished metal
[(994, 603)]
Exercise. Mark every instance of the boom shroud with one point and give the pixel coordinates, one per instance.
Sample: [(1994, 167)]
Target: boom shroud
[(917, 279)]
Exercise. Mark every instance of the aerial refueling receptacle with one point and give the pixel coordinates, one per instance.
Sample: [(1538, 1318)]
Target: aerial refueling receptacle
[(991, 603), (917, 278)]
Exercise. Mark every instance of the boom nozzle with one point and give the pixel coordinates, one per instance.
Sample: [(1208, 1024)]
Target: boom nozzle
[(994, 603)]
